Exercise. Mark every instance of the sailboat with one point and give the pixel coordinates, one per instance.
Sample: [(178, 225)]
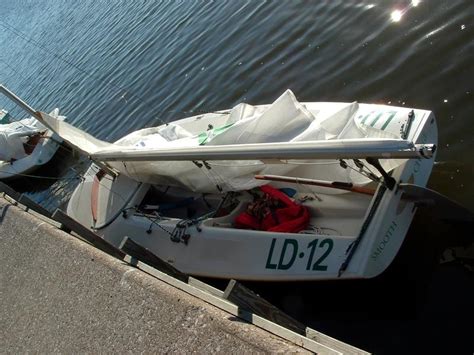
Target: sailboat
[(280, 192), (25, 145)]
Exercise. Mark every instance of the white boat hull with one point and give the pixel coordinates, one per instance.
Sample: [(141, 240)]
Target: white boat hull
[(42, 154), (214, 248)]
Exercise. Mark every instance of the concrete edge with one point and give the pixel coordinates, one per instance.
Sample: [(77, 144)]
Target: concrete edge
[(314, 341)]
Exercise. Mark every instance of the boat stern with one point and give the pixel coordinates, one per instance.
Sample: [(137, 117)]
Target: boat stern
[(393, 215), (99, 199)]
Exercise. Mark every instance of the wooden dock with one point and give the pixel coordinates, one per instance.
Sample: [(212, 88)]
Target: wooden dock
[(237, 300)]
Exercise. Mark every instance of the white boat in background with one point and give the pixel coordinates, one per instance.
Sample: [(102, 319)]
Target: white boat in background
[(181, 189), (25, 145)]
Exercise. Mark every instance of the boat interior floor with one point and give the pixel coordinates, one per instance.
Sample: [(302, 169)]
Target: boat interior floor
[(331, 214), (32, 142)]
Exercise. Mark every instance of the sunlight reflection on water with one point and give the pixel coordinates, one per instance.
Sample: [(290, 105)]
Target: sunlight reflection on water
[(397, 14)]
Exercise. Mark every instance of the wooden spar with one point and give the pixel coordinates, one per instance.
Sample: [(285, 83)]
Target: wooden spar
[(331, 184), (446, 208)]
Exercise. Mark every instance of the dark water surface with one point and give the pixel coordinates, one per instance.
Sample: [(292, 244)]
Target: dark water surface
[(115, 67)]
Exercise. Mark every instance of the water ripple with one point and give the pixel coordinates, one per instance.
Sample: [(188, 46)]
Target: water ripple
[(144, 62)]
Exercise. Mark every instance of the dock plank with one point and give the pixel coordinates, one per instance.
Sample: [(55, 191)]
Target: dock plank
[(135, 250), (87, 234), (248, 300), (32, 205), (9, 191), (334, 343), (235, 310)]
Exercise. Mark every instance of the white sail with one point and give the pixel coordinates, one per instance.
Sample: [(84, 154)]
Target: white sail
[(76, 137), (273, 139)]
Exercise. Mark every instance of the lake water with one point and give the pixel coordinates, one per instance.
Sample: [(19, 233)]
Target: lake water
[(115, 67)]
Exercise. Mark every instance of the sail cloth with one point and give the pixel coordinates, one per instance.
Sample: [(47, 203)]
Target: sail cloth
[(286, 120), (15, 134), (80, 140)]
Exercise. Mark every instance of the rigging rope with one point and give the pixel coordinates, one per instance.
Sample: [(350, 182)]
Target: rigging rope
[(368, 174)]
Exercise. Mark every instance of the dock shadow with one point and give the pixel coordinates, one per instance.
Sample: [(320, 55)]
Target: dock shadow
[(3, 212)]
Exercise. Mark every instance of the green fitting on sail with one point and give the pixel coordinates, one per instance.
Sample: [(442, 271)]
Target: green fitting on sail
[(4, 117), (204, 137)]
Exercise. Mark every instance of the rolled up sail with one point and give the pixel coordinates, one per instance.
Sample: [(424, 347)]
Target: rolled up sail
[(308, 150), (77, 138), (278, 139)]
